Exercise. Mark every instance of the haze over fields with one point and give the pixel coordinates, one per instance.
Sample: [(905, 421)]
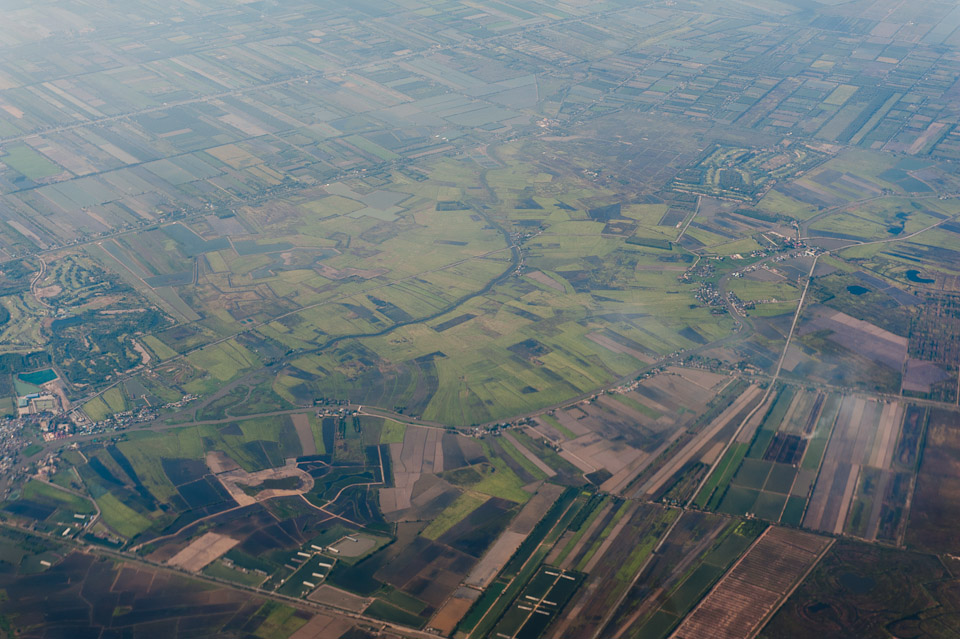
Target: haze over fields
[(516, 319)]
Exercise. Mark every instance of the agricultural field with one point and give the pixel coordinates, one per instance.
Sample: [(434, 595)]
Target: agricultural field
[(752, 589), (929, 528), (864, 590), (613, 542), (837, 348), (873, 494), (161, 484), (696, 553), (508, 319), (834, 463), (538, 603), (320, 267), (619, 439), (378, 329), (54, 509), (771, 472), (47, 592)]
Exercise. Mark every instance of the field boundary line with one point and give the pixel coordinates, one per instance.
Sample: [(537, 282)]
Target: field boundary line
[(766, 619), (823, 457), (520, 570), (607, 618), (722, 578)]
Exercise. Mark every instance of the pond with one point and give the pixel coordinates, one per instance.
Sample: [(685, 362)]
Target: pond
[(38, 377), (914, 276)]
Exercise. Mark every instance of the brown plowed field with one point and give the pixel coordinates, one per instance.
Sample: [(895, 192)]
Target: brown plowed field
[(755, 586)]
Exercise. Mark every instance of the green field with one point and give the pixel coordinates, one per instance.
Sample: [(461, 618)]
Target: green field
[(453, 514), (220, 570), (42, 491), (280, 621), (29, 162), (498, 480), (120, 518), (392, 432), (96, 409)]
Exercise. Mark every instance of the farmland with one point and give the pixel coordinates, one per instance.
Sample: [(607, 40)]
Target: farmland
[(479, 319), (852, 591), (690, 560), (43, 596), (752, 589), (928, 527)]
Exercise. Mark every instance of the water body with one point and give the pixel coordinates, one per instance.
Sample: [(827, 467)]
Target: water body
[(914, 276)]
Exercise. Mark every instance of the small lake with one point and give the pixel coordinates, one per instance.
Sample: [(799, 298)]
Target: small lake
[(38, 377), (914, 276)]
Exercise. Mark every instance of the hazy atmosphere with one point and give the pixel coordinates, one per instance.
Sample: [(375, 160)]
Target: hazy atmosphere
[(481, 319)]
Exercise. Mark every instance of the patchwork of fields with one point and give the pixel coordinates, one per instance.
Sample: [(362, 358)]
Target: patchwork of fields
[(487, 320)]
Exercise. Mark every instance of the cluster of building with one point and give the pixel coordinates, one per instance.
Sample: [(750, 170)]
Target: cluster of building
[(12, 441), (36, 403), (709, 295), (138, 415)]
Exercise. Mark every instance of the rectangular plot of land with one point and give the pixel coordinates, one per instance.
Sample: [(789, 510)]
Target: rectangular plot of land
[(546, 280), (538, 604), (859, 336), (323, 626), (507, 543), (696, 445), (495, 558), (331, 596), (353, 546), (526, 452), (415, 456), (864, 436), (615, 347), (301, 422), (203, 551), (455, 608), (569, 419), (755, 586)]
